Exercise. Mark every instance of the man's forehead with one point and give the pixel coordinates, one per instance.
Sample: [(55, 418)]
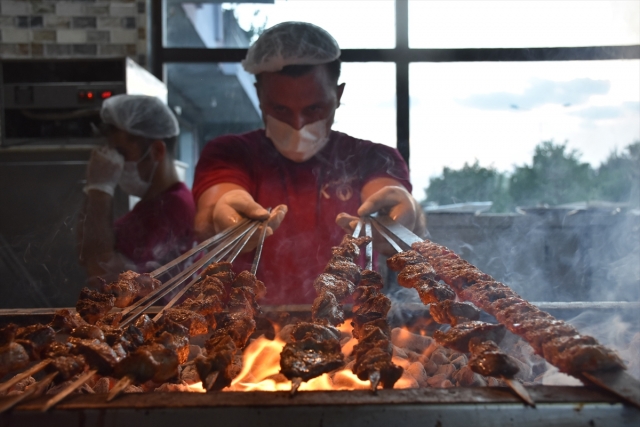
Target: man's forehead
[(316, 80)]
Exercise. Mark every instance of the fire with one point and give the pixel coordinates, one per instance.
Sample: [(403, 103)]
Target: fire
[(261, 370)]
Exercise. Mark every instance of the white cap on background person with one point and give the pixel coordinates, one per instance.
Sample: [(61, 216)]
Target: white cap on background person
[(140, 115)]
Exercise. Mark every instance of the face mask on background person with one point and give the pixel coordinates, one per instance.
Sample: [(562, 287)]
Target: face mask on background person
[(130, 180), (298, 145)]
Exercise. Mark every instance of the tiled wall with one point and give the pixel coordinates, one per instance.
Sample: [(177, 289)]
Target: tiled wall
[(80, 28)]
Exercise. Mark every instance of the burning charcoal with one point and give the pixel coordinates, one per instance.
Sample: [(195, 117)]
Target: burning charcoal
[(103, 385), (189, 373), (439, 358), (465, 377), (459, 361), (93, 305), (446, 369), (407, 381), (438, 381), (405, 339), (417, 371), (194, 351), (431, 367)]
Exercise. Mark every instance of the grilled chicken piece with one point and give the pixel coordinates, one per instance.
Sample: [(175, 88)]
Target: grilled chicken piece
[(87, 331), (176, 343), (245, 279), (485, 293), (431, 292), (587, 358), (130, 286), (360, 330), (458, 336), (66, 366), (129, 339), (97, 354), (362, 294), (208, 286), (402, 259), (149, 363), (309, 358), (56, 349), (223, 359), (487, 359), (326, 310), (415, 274), (339, 287), (373, 357), (194, 322), (12, 356), (320, 332), (93, 305), (207, 306), (146, 326), (243, 300), (453, 312), (343, 268), (372, 309), (8, 333), (65, 321), (35, 338), (239, 326), (221, 271), (371, 278)]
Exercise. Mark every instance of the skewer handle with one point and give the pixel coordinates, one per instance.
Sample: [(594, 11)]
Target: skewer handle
[(68, 390), (32, 370), (120, 386), (520, 391)]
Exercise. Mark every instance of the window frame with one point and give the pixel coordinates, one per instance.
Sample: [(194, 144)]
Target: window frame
[(402, 55)]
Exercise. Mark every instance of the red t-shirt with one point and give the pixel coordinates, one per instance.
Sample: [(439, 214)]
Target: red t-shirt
[(315, 191), (157, 230)]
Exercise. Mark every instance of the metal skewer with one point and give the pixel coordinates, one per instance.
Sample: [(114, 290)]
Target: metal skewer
[(386, 236), (68, 390), (19, 377), (369, 248), (357, 229), (202, 246), (167, 289), (261, 238), (238, 232), (242, 243), (33, 390)]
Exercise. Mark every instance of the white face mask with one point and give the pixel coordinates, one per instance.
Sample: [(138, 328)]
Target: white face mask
[(298, 145), (130, 180)]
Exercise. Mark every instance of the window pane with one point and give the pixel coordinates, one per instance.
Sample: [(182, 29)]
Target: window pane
[(219, 98), (487, 24), (238, 24), (497, 113)]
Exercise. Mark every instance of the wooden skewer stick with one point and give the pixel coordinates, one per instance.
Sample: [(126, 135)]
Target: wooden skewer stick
[(68, 390), (32, 370), (520, 391), (374, 378), (295, 385), (210, 380), (33, 390), (120, 386)]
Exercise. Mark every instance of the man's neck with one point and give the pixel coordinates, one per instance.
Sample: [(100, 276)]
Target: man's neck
[(165, 177)]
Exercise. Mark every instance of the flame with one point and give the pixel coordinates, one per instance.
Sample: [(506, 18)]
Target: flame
[(261, 369)]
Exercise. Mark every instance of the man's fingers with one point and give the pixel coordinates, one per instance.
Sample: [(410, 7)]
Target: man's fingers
[(346, 222), (248, 208), (386, 197), (276, 218), (224, 216)]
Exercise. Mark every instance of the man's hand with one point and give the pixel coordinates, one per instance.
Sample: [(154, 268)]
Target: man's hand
[(394, 201), (104, 170), (230, 208)]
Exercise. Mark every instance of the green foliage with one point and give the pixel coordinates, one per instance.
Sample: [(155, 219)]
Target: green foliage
[(470, 184), (556, 176)]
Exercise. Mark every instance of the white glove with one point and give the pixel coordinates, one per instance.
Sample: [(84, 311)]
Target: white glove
[(104, 170)]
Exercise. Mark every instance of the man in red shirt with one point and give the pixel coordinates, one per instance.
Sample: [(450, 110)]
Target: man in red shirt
[(298, 166), (141, 133)]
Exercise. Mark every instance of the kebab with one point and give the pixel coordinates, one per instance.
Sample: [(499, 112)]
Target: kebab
[(487, 359), (315, 346), (373, 353), (223, 359)]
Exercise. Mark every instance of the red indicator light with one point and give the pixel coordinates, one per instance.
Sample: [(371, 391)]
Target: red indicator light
[(106, 94), (89, 95)]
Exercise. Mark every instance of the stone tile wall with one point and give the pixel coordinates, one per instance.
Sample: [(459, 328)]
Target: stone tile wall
[(80, 28)]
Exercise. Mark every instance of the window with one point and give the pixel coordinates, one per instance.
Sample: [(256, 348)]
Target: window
[(454, 58)]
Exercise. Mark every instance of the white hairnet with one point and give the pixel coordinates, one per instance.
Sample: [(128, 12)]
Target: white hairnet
[(140, 115), (290, 43)]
